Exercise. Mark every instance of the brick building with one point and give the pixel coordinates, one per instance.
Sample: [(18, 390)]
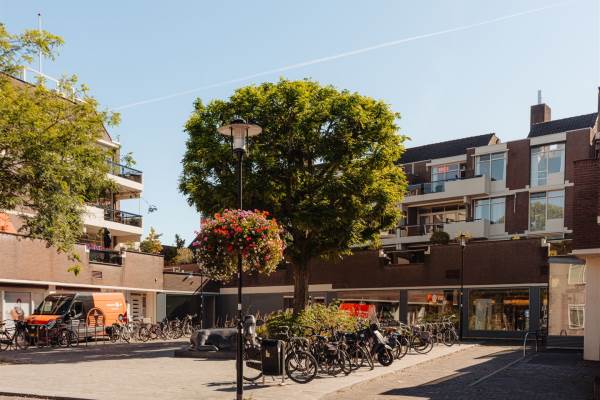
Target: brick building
[(515, 200), (107, 248)]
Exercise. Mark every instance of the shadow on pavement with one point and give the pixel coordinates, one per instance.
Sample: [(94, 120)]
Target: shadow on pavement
[(548, 375)]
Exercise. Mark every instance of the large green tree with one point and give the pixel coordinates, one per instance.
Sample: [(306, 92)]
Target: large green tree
[(50, 161), (325, 166)]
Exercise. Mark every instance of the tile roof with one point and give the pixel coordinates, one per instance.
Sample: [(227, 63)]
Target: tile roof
[(445, 149), (563, 125)]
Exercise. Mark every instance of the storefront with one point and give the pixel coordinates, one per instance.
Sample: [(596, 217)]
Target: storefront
[(424, 305), (384, 305)]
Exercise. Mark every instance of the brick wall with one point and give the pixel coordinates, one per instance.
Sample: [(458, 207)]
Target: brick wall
[(31, 260), (517, 213), (518, 164), (486, 263), (586, 231)]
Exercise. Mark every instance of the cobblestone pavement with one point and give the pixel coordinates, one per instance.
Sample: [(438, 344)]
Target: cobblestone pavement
[(546, 375)]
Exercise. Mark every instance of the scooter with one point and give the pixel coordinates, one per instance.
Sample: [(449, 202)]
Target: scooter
[(379, 347)]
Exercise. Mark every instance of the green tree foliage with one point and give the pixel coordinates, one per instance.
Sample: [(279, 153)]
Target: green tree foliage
[(440, 237), (315, 318), (179, 241), (184, 256), (151, 244), (50, 163), (324, 166)]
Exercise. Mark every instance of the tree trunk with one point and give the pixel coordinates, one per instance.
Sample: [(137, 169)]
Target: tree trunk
[(301, 277)]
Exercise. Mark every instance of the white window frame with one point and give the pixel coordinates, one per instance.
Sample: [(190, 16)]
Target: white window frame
[(576, 307), (576, 277), (498, 156), (457, 164), (546, 207), (545, 149), (489, 204)]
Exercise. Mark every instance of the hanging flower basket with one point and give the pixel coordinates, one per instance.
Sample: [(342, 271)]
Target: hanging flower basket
[(238, 233)]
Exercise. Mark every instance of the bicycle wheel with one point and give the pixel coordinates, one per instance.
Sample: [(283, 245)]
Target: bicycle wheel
[(63, 338), (448, 337), (4, 341), (421, 345), (73, 339), (252, 364), (401, 348), (143, 334), (21, 340), (126, 335), (385, 357), (301, 366), (356, 358), (367, 357)]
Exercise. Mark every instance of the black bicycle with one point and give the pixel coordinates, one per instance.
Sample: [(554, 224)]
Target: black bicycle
[(15, 336)]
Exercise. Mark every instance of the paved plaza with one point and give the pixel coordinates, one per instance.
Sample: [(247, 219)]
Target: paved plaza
[(142, 371)]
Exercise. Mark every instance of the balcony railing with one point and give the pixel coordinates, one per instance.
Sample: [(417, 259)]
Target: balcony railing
[(122, 217), (428, 187), (106, 257), (124, 171), (420, 230)]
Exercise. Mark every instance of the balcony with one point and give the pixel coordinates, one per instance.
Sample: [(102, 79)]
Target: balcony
[(124, 171), (119, 223), (106, 257), (422, 233), (439, 190), (129, 180)]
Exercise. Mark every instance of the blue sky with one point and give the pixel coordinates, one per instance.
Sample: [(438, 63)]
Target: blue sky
[(460, 83)]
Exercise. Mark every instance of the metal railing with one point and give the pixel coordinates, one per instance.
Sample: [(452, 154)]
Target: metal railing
[(124, 171), (434, 187), (122, 217), (106, 257), (35, 77), (420, 230)]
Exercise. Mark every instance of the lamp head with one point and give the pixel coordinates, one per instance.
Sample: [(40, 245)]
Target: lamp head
[(239, 130)]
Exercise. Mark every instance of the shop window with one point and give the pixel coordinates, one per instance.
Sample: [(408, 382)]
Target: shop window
[(499, 310), (432, 305), (491, 165), (576, 274), (576, 316)]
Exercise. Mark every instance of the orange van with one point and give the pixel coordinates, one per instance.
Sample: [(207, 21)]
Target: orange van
[(76, 306)]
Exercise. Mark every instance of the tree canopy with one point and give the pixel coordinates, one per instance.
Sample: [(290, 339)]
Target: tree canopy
[(325, 166), (50, 161)]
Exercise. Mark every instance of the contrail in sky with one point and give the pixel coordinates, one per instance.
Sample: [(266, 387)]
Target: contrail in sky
[(342, 55)]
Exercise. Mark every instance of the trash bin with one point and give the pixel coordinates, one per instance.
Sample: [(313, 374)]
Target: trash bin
[(272, 355)]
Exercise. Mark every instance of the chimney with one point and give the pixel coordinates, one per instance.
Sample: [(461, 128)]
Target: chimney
[(541, 111)]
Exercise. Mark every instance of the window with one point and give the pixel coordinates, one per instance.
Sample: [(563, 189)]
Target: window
[(448, 172), (576, 274), (493, 210), (499, 310), (491, 165), (544, 206), (440, 215), (576, 316), (546, 161), (432, 304)]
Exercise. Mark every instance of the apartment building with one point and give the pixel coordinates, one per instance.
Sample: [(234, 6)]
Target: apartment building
[(516, 203), (29, 270)]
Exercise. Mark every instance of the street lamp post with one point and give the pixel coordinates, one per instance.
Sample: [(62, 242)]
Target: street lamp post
[(462, 238), (239, 131)]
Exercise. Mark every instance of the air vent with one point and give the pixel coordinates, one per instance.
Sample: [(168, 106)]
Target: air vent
[(97, 274)]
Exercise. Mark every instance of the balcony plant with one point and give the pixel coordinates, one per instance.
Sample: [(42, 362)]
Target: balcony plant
[(238, 233), (440, 237)]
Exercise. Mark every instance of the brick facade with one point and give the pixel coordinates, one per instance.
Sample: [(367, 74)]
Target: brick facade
[(586, 230)]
